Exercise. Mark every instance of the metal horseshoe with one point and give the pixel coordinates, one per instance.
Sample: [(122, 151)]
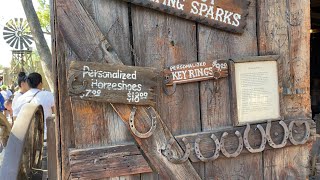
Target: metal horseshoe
[(78, 90), (239, 149), (216, 151), (246, 139), (175, 160), (133, 128), (166, 80), (285, 137), (306, 135)]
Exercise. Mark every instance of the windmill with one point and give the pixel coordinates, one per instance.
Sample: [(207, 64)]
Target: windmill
[(16, 34)]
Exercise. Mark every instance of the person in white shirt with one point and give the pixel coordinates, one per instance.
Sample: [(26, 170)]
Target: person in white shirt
[(23, 87), (36, 95)]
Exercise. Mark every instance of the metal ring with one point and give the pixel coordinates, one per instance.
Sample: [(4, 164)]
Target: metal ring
[(168, 152), (306, 135), (246, 139), (166, 80), (216, 151), (239, 149), (285, 137), (133, 128), (78, 90)]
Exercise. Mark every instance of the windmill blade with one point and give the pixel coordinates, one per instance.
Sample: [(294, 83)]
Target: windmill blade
[(7, 37), (15, 34), (27, 38), (13, 42), (11, 39), (8, 29)]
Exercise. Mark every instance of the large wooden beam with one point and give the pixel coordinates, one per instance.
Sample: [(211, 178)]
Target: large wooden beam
[(113, 161), (85, 38)]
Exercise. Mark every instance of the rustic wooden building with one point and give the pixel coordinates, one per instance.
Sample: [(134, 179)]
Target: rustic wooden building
[(96, 140)]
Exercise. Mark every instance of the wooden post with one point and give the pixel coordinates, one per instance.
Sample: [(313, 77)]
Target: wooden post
[(52, 148)]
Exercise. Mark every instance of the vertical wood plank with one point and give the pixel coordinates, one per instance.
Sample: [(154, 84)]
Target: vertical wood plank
[(284, 30), (64, 123), (98, 122), (215, 100), (53, 172), (162, 40)]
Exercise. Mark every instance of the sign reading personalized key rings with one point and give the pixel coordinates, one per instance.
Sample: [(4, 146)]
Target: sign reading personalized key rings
[(112, 83), (193, 72)]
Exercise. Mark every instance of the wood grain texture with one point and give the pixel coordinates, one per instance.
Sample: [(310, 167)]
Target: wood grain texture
[(162, 40), (113, 83), (215, 98), (111, 18), (231, 142), (178, 171), (283, 29), (233, 13), (108, 161), (52, 151)]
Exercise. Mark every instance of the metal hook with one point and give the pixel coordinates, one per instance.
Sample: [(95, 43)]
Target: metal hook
[(168, 152), (285, 137), (78, 90), (105, 47), (246, 139), (239, 149), (306, 135), (216, 151), (133, 128), (166, 80)]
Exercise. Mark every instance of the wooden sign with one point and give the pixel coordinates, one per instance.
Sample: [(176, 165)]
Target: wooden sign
[(112, 83), (228, 15), (198, 71)]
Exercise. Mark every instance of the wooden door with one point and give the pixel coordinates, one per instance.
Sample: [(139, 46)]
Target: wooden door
[(148, 38)]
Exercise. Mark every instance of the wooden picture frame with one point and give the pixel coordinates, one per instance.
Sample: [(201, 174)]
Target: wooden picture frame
[(255, 92)]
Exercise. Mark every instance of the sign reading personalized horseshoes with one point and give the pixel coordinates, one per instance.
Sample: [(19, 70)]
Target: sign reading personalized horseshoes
[(198, 71), (228, 15), (112, 83)]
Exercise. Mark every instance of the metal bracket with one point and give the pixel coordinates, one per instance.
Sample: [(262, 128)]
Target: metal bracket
[(285, 137), (175, 160), (246, 139), (306, 135), (73, 77), (216, 151), (133, 128), (239, 149), (166, 80)]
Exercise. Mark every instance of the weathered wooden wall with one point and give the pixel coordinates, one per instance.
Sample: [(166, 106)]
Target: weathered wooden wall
[(145, 37)]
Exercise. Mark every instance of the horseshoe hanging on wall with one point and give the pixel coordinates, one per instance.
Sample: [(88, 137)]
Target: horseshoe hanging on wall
[(168, 152), (285, 137), (166, 80), (306, 135), (133, 128), (216, 151), (72, 78), (239, 149), (246, 139)]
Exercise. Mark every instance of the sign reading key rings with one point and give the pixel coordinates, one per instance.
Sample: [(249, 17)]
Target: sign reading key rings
[(198, 71), (112, 83)]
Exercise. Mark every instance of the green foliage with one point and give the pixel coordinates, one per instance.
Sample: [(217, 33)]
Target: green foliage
[(43, 13)]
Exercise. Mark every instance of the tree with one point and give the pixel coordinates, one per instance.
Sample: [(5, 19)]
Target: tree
[(40, 41)]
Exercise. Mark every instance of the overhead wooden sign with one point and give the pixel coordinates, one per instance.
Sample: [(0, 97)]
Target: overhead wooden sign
[(112, 83), (228, 15), (198, 71)]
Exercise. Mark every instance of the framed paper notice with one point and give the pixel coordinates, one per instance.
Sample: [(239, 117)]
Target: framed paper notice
[(256, 91)]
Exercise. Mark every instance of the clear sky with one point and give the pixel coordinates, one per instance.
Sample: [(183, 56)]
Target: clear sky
[(9, 9)]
